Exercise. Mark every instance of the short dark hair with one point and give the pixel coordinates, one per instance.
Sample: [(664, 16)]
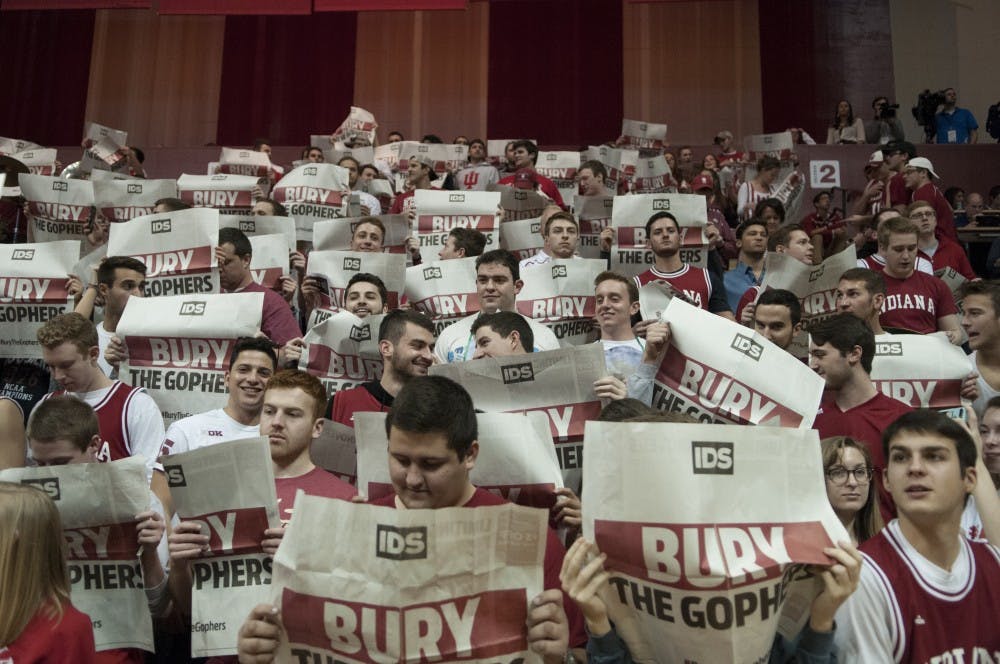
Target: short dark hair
[(782, 236), (620, 410), (172, 204), (767, 162), (990, 289), (596, 167), (844, 331), (774, 204), (821, 192), (874, 283), (470, 239), (505, 322), (395, 133), (501, 257), (63, 417), (367, 277), (608, 275), (924, 420), (435, 404), (357, 164), (256, 344), (752, 221), (661, 215), (562, 214), (237, 238), (374, 221), (432, 138), (530, 147), (107, 267), (783, 298), (393, 326), (895, 226), (279, 209), (260, 142)]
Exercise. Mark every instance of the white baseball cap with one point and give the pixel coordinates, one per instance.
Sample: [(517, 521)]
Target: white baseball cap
[(924, 163)]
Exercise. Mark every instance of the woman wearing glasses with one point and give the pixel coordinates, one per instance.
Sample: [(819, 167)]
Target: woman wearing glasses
[(847, 465)]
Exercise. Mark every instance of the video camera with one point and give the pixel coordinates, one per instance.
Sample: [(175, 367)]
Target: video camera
[(927, 107)]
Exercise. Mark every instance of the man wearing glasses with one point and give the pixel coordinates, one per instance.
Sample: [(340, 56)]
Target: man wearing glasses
[(941, 252)]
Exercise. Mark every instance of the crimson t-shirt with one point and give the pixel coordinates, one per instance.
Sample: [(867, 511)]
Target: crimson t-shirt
[(317, 482), (915, 303), (70, 640)]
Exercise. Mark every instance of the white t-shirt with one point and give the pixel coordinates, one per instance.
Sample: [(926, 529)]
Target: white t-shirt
[(985, 391), (204, 429), (622, 357), (103, 339), (457, 345)]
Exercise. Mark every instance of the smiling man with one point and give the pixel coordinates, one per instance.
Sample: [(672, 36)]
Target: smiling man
[(366, 295), (501, 334)]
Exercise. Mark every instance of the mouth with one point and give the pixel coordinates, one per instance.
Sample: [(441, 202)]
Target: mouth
[(851, 496), (917, 491)]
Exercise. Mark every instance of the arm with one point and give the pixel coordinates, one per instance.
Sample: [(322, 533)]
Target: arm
[(949, 325), (185, 543), (640, 383), (985, 494), (717, 302), (973, 136), (259, 635), (150, 527), (12, 450), (865, 623)]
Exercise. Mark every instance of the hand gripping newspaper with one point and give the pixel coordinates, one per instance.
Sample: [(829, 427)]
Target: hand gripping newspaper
[(231, 195), (440, 211), (97, 504), (59, 209), (228, 488), (314, 192), (707, 534), (178, 249), (629, 253), (558, 383), (367, 584), (122, 200), (522, 237), (33, 280), (178, 347), (334, 269), (921, 370), (594, 215), (648, 137), (560, 294), (337, 233), (342, 351), (516, 460), (719, 371), (443, 290), (561, 168)]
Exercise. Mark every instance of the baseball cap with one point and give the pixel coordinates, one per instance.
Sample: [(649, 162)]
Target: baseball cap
[(702, 181), (925, 163), (524, 178), (876, 157)]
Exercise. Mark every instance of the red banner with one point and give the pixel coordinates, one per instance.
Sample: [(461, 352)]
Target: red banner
[(233, 7)]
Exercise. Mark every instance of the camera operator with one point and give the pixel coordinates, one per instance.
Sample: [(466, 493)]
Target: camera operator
[(886, 126), (954, 124)]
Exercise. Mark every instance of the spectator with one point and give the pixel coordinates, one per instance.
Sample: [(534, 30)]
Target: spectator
[(845, 128), (954, 124), (759, 188), (885, 126)]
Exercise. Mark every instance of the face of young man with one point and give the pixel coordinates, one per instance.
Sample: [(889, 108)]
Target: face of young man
[(74, 371), (925, 219), (287, 421), (913, 177), (425, 472), (800, 247), (62, 451), (352, 170), (590, 184), (853, 297), (127, 283), (315, 156), (496, 288), (754, 241), (685, 156), (562, 238), (774, 323), (367, 237), (489, 343), (832, 366), (363, 299), (247, 377), (924, 478), (368, 174), (900, 255), (417, 172), (614, 311), (664, 238), (263, 209), (477, 152), (412, 355), (522, 158), (980, 322), (449, 250), (232, 268)]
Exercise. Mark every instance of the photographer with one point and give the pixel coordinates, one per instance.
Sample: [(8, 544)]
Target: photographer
[(886, 126)]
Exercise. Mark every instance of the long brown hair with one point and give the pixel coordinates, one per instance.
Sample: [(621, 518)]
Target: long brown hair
[(868, 520), (32, 559)]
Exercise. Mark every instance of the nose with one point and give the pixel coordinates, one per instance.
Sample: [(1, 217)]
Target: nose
[(414, 479), (852, 481)]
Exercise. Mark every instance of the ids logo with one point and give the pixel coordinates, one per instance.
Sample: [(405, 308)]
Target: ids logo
[(50, 485), (536, 227), (28, 155), (747, 346), (192, 309), (432, 273), (60, 186), (400, 543), (134, 188), (220, 176), (244, 154), (456, 198), (360, 333), (558, 271), (769, 139), (711, 458), (817, 273), (552, 156), (520, 195), (248, 226), (888, 348), (22, 255), (175, 475), (661, 203), (310, 170), (160, 226), (353, 264), (423, 148), (517, 373)]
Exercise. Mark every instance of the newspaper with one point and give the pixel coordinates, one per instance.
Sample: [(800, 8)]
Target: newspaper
[(94, 135), (380, 189), (359, 123), (496, 151), (41, 161), (33, 291), (559, 383), (178, 249), (11, 146), (179, 347), (522, 237), (236, 161), (105, 155), (516, 460), (921, 370), (815, 285), (952, 279), (337, 233), (629, 253), (444, 290), (620, 163), (122, 200), (363, 155), (313, 192), (339, 266), (440, 211), (342, 351), (231, 195), (269, 261), (446, 157), (706, 534), (714, 370), (780, 146), (644, 136), (262, 225), (334, 452), (653, 176), (594, 215), (520, 204), (97, 504), (561, 168), (450, 584), (560, 294), (59, 209), (229, 489)]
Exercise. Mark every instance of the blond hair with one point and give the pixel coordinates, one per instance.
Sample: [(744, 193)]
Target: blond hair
[(32, 559)]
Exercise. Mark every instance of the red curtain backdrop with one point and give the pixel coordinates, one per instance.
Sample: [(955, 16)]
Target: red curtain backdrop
[(10, 5), (385, 5), (787, 65), (286, 77), (46, 68), (235, 6), (555, 70)]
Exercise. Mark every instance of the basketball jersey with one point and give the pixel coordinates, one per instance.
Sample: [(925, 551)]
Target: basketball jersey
[(112, 419), (690, 282)]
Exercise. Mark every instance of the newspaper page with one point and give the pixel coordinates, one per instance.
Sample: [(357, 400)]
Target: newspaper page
[(559, 383), (97, 504), (438, 212), (450, 584), (228, 488), (236, 161), (780, 146), (520, 204), (337, 233), (444, 290), (93, 136), (561, 168), (334, 451), (560, 294), (314, 192), (921, 370), (516, 459), (339, 266), (33, 281), (59, 209), (380, 189), (814, 285), (359, 123), (342, 351), (653, 176), (620, 163), (446, 157), (11, 146), (644, 136), (496, 151), (231, 195), (269, 261), (39, 162), (122, 200), (106, 155), (363, 155), (178, 249), (522, 237), (706, 534), (178, 347), (594, 215), (952, 279), (719, 371), (629, 253), (262, 225)]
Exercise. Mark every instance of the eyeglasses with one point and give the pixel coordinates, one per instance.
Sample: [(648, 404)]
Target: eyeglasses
[(838, 474)]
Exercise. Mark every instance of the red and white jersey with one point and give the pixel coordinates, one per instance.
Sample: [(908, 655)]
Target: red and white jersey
[(907, 609), (876, 263), (477, 177), (916, 303), (691, 283), (204, 429)]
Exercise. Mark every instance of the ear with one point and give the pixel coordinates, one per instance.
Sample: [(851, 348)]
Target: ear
[(385, 348), (93, 447), (797, 328), (461, 252), (471, 455), (94, 352), (969, 478), (103, 289), (878, 300), (854, 356), (518, 285), (515, 339), (246, 260), (317, 428), (633, 308)]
